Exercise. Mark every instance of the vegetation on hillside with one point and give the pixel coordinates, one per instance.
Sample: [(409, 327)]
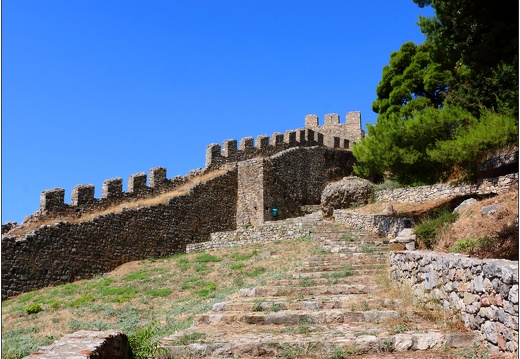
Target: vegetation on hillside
[(447, 103)]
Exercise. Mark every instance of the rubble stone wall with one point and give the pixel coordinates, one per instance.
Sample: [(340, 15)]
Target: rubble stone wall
[(486, 186), (484, 292), (384, 226), (64, 252)]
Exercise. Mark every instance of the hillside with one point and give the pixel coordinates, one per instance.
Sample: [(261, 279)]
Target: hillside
[(174, 293)]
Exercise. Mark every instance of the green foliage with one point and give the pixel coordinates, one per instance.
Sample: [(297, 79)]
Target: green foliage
[(427, 147), (412, 81), (472, 142), (428, 230), (33, 308), (400, 145), (366, 248), (480, 41), (143, 344), (255, 272), (243, 257), (306, 282), (468, 245), (140, 274), (445, 104)]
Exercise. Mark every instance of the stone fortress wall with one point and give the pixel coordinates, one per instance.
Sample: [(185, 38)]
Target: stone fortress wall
[(275, 174)]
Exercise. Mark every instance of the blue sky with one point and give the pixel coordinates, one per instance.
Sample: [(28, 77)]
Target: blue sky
[(93, 90)]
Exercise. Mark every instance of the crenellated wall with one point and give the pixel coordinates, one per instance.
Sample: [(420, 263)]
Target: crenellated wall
[(332, 127), (241, 185), (52, 202), (265, 146), (65, 251)]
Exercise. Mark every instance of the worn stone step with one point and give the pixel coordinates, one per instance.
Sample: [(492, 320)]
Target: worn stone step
[(308, 282), (271, 346), (276, 304), (335, 274), (328, 302), (290, 317), (337, 267), (276, 291), (351, 259)]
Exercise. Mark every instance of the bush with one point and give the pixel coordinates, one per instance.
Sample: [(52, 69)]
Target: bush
[(142, 343), (33, 308), (429, 230)]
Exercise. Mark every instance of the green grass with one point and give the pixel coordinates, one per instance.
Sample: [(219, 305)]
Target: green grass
[(236, 266), (206, 257)]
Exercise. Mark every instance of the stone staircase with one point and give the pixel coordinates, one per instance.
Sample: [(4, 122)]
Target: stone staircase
[(335, 305)]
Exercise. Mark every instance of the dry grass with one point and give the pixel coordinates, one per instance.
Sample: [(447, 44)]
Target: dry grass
[(403, 209), (499, 231)]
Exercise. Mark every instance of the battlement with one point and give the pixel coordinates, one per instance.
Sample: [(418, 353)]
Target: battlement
[(266, 146), (332, 134), (82, 197), (350, 130)]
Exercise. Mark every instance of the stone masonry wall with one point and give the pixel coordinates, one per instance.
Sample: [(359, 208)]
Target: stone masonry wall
[(384, 226), (52, 202), (350, 130), (87, 344), (484, 292), (64, 252), (495, 185), (297, 177)]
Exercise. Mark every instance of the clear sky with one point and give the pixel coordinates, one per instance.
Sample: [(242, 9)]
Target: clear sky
[(93, 89)]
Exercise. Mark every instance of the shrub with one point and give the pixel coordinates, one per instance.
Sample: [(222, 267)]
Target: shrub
[(33, 308), (142, 343), (429, 229)]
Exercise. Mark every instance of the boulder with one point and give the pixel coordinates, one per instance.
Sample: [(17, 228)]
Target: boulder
[(388, 210), (464, 204), (348, 192)]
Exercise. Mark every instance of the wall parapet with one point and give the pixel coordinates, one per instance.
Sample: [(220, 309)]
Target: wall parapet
[(266, 146), (83, 201), (486, 186), (483, 291)]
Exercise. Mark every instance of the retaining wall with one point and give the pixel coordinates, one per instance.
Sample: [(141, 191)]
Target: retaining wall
[(484, 292), (384, 226), (486, 186)]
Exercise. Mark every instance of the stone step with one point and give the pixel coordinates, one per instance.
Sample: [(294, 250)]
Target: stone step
[(297, 317), (276, 304), (344, 260), (277, 291), (338, 267), (308, 282), (336, 274), (278, 346)]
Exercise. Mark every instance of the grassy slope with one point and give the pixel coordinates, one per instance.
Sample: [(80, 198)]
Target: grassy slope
[(166, 291)]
